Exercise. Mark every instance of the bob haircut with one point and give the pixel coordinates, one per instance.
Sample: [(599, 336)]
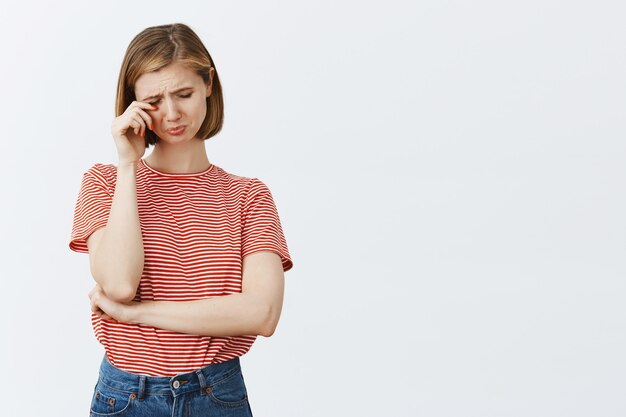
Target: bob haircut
[(158, 46)]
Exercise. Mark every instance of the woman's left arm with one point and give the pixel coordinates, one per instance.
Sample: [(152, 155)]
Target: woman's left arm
[(254, 311)]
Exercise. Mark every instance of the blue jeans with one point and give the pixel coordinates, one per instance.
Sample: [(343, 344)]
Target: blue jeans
[(215, 390)]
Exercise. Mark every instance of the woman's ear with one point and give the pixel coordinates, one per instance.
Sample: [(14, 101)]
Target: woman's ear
[(208, 87)]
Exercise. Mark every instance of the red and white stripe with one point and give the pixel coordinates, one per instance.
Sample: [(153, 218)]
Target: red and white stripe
[(196, 229)]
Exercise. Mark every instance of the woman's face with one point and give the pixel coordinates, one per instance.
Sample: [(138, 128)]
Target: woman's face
[(180, 96)]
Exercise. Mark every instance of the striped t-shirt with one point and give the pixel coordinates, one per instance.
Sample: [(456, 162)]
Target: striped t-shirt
[(196, 229)]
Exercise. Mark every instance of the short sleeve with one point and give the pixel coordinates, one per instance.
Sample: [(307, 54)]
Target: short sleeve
[(262, 230), (92, 208)]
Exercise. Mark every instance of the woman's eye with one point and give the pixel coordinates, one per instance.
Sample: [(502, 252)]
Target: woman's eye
[(182, 96)]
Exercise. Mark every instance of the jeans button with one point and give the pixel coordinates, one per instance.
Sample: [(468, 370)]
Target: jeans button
[(176, 384)]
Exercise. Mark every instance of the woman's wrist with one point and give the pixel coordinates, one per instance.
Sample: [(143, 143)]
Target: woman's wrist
[(127, 164), (134, 312)]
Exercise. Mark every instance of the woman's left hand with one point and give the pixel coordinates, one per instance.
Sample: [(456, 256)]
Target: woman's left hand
[(107, 309)]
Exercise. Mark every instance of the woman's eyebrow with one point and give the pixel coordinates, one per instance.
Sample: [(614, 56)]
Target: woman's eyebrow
[(173, 92)]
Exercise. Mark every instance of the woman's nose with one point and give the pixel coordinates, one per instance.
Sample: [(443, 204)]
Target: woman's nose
[(171, 110)]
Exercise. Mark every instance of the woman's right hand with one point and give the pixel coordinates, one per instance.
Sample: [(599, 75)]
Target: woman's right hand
[(129, 131)]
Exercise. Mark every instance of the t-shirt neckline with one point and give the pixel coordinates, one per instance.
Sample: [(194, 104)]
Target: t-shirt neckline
[(175, 174)]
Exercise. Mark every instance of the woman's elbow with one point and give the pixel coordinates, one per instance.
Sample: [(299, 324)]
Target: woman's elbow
[(269, 324), (120, 295)]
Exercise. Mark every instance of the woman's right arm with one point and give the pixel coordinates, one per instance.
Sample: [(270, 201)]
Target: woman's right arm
[(116, 253)]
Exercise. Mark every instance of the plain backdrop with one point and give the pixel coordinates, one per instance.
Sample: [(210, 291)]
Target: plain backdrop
[(449, 177)]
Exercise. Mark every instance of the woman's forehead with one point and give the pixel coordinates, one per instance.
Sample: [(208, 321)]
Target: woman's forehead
[(167, 79)]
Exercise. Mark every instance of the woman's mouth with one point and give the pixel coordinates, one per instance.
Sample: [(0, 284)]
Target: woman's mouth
[(176, 131)]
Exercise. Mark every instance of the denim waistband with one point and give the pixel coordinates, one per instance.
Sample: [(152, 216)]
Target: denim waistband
[(200, 379)]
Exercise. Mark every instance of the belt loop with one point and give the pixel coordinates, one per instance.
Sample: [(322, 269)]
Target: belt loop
[(202, 381), (142, 386)]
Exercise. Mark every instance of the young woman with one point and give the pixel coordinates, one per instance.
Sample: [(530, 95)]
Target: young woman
[(188, 259)]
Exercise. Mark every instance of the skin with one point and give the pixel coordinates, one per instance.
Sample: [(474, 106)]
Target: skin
[(184, 153), (254, 311)]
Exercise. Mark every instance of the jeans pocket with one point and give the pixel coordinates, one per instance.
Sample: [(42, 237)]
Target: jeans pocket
[(230, 391), (108, 401)]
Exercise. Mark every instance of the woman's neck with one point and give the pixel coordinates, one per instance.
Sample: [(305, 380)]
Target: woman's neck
[(177, 160)]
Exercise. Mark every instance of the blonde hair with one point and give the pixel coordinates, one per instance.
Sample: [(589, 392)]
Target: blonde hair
[(158, 46)]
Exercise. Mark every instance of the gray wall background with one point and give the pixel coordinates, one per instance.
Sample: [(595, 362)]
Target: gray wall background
[(449, 176)]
